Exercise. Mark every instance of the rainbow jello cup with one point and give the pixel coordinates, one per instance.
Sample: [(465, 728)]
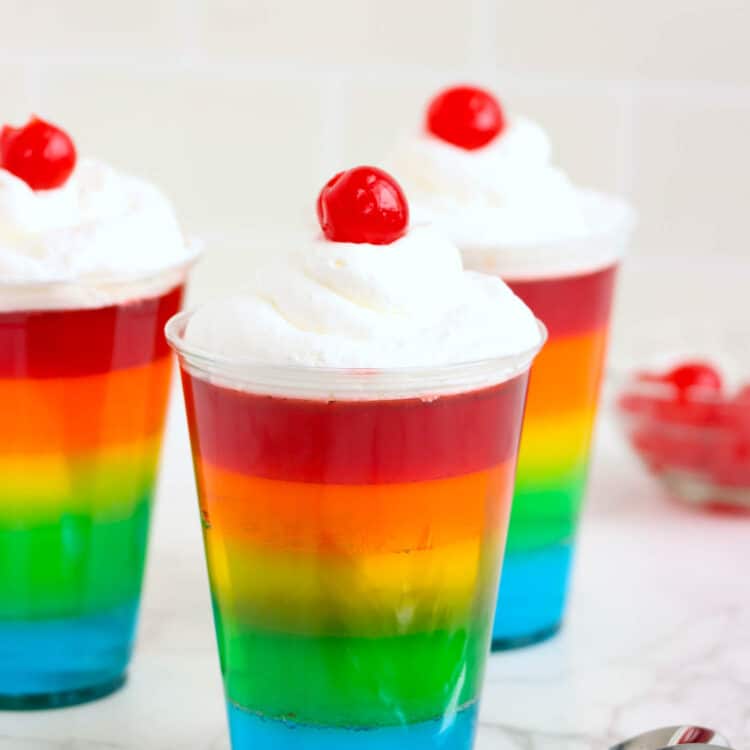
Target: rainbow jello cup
[(353, 519), (487, 180), (83, 395), (353, 545), (84, 380), (554, 453)]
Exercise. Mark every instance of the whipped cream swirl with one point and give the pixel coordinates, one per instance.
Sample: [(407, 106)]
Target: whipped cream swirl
[(100, 226), (506, 195), (345, 305)]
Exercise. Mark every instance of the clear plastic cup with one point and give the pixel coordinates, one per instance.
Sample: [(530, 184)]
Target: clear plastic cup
[(83, 393), (569, 286), (354, 523)]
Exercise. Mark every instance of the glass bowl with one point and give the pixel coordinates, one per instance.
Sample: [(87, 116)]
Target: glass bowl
[(695, 441)]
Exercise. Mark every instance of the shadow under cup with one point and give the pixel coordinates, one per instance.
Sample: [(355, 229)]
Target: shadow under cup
[(83, 393), (354, 523)]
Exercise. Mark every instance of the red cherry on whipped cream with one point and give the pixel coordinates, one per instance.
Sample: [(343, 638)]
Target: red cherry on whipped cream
[(466, 116), (39, 153), (363, 204)]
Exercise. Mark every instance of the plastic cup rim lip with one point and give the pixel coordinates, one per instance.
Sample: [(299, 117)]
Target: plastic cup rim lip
[(112, 280), (211, 362)]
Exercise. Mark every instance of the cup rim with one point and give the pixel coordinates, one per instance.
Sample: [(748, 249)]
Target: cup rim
[(376, 383)]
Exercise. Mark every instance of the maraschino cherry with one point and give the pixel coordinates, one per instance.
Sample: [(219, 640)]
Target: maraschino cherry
[(39, 153), (466, 116), (363, 204), (693, 397), (691, 375)]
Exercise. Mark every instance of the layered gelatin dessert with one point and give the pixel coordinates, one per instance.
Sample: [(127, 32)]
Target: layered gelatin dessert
[(354, 415), (487, 180), (92, 265)]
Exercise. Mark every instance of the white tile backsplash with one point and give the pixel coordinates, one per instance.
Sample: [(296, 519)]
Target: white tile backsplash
[(15, 94), (337, 32), (691, 175), (51, 29), (701, 40), (230, 151), (240, 110)]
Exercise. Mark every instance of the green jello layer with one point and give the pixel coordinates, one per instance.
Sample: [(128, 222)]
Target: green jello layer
[(545, 509), (81, 563), (351, 681)]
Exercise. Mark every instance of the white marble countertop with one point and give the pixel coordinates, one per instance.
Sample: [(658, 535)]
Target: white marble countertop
[(658, 633)]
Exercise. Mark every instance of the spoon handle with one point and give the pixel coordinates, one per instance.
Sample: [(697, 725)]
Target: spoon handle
[(694, 735), (668, 737)]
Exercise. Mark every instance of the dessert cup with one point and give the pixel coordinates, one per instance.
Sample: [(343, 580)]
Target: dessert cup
[(83, 392), (574, 303), (354, 523), (487, 179)]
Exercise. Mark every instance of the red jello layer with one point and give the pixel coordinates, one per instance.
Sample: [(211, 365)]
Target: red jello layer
[(354, 442), (68, 343), (569, 305)]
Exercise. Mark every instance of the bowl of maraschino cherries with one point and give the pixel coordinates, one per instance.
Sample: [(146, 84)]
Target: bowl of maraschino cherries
[(690, 426)]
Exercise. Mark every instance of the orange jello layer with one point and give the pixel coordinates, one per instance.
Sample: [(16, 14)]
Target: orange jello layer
[(85, 413), (341, 519), (565, 377)]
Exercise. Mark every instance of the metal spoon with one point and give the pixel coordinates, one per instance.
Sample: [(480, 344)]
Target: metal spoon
[(698, 736), (683, 736)]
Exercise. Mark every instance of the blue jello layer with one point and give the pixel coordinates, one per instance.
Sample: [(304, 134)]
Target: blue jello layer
[(251, 732), (532, 596), (50, 663)]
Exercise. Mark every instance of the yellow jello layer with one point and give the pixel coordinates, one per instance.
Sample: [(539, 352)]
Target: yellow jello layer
[(44, 485)]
